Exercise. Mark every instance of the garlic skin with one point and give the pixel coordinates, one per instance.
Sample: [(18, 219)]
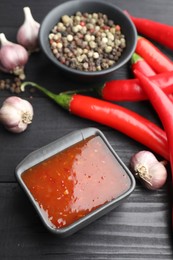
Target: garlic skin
[(27, 34), (148, 170), (1, 66), (13, 57), (16, 114)]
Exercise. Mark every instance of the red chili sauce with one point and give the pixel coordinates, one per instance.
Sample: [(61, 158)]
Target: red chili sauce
[(75, 181)]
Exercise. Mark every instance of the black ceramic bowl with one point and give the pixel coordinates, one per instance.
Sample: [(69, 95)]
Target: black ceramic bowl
[(91, 6), (42, 154)]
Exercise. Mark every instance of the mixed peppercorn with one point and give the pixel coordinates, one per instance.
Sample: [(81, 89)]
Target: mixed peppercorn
[(13, 85), (87, 42)]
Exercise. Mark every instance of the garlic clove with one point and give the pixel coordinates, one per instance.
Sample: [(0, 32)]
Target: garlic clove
[(13, 57), (18, 128), (27, 34), (8, 112), (16, 114), (20, 105), (158, 176), (144, 158), (3, 69)]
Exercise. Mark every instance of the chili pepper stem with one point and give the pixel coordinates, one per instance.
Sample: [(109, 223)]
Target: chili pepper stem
[(61, 99), (135, 58), (138, 63), (97, 90), (79, 91)]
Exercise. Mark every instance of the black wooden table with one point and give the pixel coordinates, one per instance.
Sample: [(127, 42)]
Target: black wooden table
[(138, 229)]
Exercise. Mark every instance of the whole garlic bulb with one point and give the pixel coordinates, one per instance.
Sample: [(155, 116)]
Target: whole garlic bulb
[(13, 57), (149, 170), (16, 114), (27, 34)]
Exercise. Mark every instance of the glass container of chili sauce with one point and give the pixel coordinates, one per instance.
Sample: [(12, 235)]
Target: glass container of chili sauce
[(75, 180)]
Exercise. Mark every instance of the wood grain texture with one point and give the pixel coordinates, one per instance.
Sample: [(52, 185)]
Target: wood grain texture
[(140, 228)]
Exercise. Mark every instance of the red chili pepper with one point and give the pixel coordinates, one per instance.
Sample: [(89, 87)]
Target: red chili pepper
[(171, 97), (112, 115), (130, 89), (153, 56), (161, 33), (138, 63), (164, 108)]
